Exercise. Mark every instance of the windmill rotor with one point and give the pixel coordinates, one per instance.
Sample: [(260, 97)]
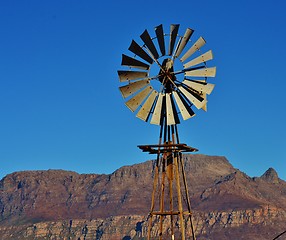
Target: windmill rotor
[(179, 67)]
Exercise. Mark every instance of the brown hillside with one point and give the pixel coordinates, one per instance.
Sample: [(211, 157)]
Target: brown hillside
[(220, 194)]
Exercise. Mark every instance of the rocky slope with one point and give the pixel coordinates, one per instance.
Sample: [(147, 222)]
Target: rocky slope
[(57, 204)]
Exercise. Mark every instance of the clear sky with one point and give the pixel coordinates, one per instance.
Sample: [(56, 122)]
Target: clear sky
[(60, 107)]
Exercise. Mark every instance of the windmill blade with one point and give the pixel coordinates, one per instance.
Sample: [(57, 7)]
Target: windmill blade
[(170, 111), (192, 97), (177, 120), (156, 117), (204, 72), (205, 106), (197, 45), (131, 75), (134, 102), (199, 86), (149, 43), (184, 108), (200, 59), (145, 110), (173, 35), (184, 41), (136, 49), (132, 88), (160, 38), (134, 63)]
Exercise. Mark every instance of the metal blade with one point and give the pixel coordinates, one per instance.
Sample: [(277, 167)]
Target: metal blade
[(132, 88), (191, 97), (145, 110), (200, 59), (134, 102), (160, 38), (184, 108), (156, 117), (149, 43), (204, 72), (169, 110), (177, 120), (135, 48), (184, 41), (132, 62), (205, 106), (173, 36), (197, 45), (130, 75), (200, 87)]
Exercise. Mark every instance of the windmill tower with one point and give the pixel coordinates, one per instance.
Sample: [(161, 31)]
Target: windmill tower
[(162, 87)]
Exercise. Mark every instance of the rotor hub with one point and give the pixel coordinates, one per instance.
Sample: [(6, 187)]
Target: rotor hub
[(167, 76)]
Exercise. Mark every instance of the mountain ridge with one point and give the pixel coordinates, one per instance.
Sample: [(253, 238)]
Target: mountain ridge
[(218, 191)]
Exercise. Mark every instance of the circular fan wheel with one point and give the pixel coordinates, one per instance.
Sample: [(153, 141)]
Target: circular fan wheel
[(178, 90)]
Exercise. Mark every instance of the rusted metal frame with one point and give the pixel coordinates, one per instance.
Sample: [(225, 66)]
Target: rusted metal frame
[(167, 165), (177, 134), (153, 200), (181, 162), (180, 206), (170, 180), (178, 186), (170, 171), (169, 213), (156, 179), (171, 148), (187, 194), (173, 142), (163, 169), (162, 196)]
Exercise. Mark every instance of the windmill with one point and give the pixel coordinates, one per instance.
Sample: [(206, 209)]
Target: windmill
[(163, 80)]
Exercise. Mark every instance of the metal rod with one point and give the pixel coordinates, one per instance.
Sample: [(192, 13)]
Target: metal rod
[(187, 194), (176, 48), (177, 134), (177, 178), (171, 202), (185, 185), (162, 196), (156, 175), (171, 187), (165, 129), (171, 179)]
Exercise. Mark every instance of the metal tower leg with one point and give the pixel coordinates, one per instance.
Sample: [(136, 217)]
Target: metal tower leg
[(169, 186), (177, 177), (187, 195), (155, 183)]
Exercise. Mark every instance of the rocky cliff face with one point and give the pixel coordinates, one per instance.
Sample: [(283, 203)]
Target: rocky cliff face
[(57, 204)]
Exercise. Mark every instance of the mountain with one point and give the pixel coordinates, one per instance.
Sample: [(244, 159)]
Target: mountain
[(58, 204)]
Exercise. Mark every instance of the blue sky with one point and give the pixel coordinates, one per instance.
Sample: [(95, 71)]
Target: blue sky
[(60, 107)]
